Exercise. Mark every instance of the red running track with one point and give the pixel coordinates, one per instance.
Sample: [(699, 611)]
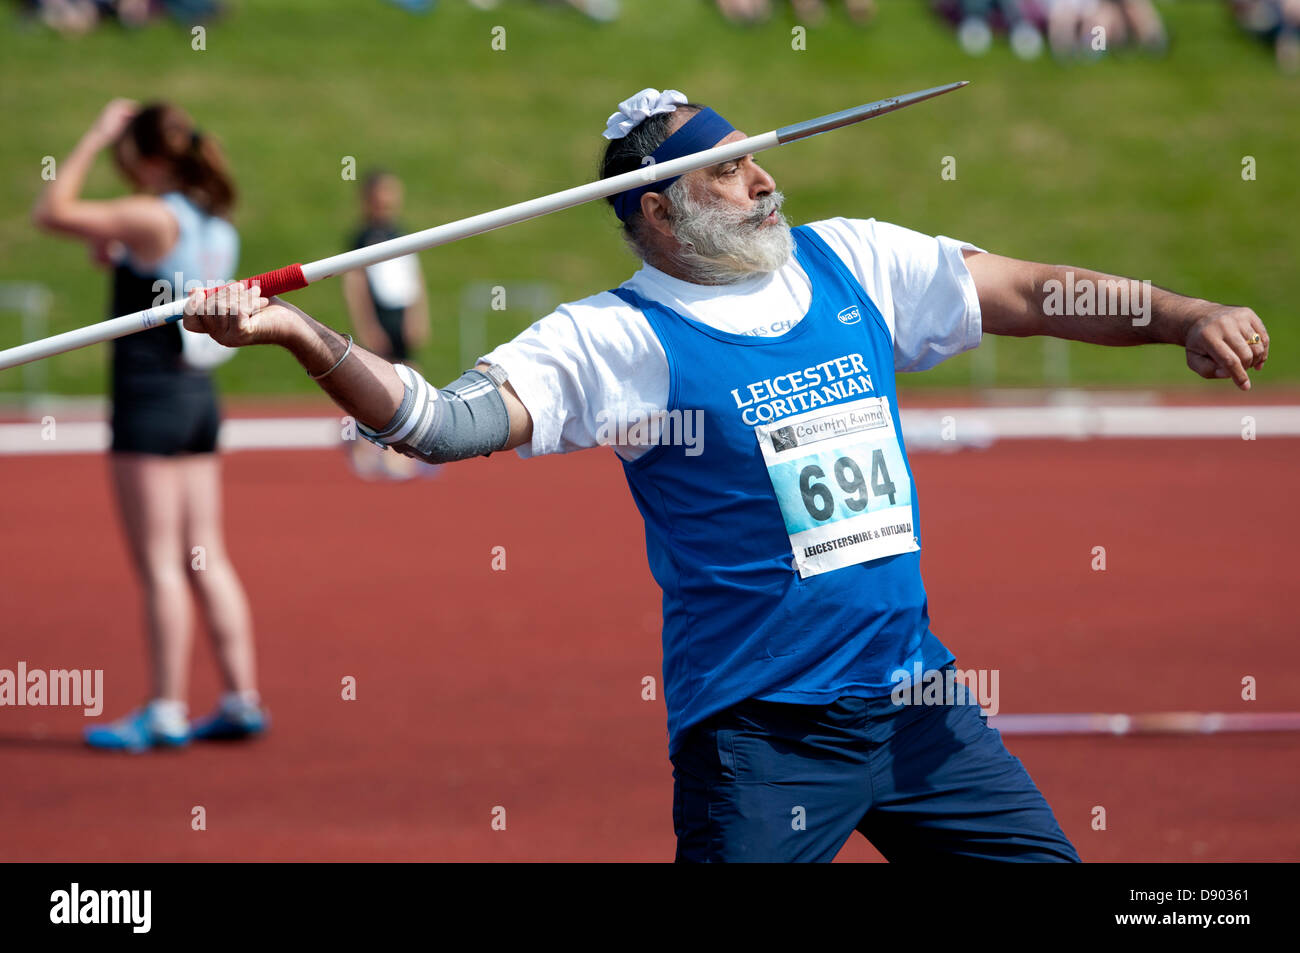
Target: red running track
[(522, 689)]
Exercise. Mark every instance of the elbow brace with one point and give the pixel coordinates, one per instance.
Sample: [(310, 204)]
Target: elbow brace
[(467, 418)]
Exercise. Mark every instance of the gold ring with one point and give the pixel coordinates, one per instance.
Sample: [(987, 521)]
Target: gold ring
[(1254, 339)]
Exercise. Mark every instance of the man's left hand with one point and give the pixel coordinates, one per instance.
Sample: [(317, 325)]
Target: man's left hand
[(1227, 342)]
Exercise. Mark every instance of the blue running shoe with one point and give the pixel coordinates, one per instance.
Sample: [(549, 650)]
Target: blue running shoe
[(231, 721), (138, 731)]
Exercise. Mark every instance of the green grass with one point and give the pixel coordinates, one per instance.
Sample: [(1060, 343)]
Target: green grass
[(1129, 165)]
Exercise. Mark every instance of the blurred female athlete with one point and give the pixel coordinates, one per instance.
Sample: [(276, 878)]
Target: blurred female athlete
[(171, 232)]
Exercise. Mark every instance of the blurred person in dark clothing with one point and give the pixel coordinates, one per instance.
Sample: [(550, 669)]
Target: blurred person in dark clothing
[(388, 305)]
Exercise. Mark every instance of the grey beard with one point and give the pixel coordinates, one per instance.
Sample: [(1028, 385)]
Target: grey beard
[(721, 245)]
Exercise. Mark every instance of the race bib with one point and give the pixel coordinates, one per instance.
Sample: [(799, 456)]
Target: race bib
[(842, 485)]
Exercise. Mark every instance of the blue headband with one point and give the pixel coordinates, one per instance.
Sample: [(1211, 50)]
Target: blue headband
[(702, 131)]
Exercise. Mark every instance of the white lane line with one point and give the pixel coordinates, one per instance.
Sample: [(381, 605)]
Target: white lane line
[(926, 429)]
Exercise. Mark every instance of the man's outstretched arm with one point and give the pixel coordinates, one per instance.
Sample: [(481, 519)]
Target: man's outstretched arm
[(364, 385), (1024, 298)]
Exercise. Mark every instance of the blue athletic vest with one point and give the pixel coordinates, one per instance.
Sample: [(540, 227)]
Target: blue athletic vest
[(739, 622)]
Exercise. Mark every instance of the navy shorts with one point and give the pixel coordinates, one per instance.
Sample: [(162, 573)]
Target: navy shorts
[(771, 782)]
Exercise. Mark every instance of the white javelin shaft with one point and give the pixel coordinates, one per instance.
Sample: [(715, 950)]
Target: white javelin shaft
[(486, 222)]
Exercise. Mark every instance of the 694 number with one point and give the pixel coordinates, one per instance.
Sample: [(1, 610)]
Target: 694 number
[(817, 497)]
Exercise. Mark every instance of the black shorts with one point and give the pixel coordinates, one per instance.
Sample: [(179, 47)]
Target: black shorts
[(165, 414), (392, 321)]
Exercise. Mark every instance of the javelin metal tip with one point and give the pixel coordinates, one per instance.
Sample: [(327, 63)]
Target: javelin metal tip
[(846, 117)]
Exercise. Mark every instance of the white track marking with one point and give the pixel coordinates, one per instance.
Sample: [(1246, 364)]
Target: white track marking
[(923, 429), (1153, 723)]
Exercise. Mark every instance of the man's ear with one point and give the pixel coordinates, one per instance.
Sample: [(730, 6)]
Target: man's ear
[(654, 208)]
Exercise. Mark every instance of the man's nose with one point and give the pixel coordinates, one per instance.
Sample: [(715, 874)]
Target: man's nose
[(762, 184)]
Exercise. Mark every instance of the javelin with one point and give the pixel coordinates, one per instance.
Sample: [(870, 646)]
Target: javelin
[(296, 276)]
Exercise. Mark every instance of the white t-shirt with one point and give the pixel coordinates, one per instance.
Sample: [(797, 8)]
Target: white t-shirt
[(598, 356), (395, 283)]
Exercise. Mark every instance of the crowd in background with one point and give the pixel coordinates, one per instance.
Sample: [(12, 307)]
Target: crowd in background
[(82, 16), (809, 12), (1275, 22), (1070, 29), (1087, 29)]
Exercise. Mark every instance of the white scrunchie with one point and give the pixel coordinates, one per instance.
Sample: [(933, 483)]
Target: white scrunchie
[(636, 110)]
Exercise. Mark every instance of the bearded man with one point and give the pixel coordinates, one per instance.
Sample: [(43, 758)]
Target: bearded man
[(784, 533)]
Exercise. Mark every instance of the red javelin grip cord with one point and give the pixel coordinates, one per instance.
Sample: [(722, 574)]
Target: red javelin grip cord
[(271, 283)]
